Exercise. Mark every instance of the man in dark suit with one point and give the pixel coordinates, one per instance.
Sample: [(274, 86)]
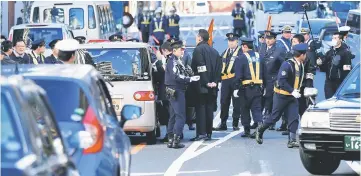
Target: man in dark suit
[(53, 58)]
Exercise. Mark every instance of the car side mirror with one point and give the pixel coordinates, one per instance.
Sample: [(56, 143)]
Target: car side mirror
[(310, 92), (129, 112)]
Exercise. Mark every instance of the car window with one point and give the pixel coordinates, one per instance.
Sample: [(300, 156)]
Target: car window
[(91, 17), (11, 148), (353, 20), (100, 19), (317, 25), (53, 15), (32, 34), (351, 88), (76, 18), (36, 15)]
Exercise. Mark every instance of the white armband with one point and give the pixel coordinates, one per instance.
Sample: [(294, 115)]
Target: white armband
[(309, 76), (346, 67), (202, 69)]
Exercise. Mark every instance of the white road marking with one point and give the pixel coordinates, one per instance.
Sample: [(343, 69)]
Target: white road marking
[(181, 172), (217, 120), (246, 173), (265, 168), (355, 166)]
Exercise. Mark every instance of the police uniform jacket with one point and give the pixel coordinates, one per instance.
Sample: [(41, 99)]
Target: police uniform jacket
[(273, 58), (51, 60), (158, 28), (144, 22), (173, 25), (337, 63), (25, 59), (247, 65), (239, 20), (175, 76), (290, 77), (229, 61), (285, 45), (206, 63)]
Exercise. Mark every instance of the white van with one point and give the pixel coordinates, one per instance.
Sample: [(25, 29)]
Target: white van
[(93, 20)]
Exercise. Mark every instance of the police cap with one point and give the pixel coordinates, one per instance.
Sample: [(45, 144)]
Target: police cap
[(172, 40), (305, 31), (177, 44), (232, 36), (287, 28), (37, 43), (52, 43), (344, 30), (115, 37), (270, 34), (133, 40), (302, 47), (246, 40), (67, 45), (260, 34)]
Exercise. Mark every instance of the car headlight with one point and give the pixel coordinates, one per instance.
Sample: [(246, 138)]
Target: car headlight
[(312, 119)]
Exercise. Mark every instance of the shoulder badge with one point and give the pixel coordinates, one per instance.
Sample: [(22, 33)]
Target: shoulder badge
[(283, 73)]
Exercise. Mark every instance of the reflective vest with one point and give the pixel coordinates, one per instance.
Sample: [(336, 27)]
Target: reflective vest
[(35, 61), (158, 26), (172, 23), (284, 43), (254, 77), (238, 16), (297, 84), (228, 74), (146, 20)]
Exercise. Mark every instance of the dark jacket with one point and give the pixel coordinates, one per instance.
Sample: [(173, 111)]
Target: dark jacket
[(20, 60), (144, 22), (175, 77), (51, 60), (158, 74), (6, 60), (273, 59), (206, 63), (310, 69), (239, 20), (187, 59), (173, 25), (286, 76)]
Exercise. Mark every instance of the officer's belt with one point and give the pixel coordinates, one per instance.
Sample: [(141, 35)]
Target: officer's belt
[(158, 30), (145, 22), (228, 74), (280, 91), (35, 61), (255, 76), (171, 23)]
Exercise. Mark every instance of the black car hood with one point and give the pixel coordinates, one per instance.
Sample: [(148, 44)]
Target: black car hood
[(353, 103)]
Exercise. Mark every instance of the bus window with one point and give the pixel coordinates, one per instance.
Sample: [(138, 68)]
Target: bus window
[(36, 15), (105, 21), (53, 15), (91, 17), (76, 18), (101, 22), (353, 21)]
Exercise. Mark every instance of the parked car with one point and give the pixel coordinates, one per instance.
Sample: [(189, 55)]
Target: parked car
[(316, 25), (127, 66), (330, 130), (31, 142), (342, 8), (81, 102)]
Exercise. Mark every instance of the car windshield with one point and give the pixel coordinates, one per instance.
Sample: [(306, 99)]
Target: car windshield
[(64, 97), (32, 34), (327, 35), (288, 6), (351, 88), (317, 25), (11, 148), (343, 6), (122, 64)]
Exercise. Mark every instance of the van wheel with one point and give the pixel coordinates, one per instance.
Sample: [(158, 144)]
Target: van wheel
[(319, 164), (158, 131), (151, 137)]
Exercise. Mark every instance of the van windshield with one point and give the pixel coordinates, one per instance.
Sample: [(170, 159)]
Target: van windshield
[(32, 34), (122, 64), (288, 6)]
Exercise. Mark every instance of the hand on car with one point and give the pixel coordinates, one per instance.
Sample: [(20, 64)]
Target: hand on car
[(296, 93)]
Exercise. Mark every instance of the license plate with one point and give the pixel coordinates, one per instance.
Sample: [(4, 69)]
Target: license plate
[(116, 104), (352, 143)]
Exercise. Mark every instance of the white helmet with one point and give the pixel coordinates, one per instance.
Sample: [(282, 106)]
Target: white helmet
[(159, 10)]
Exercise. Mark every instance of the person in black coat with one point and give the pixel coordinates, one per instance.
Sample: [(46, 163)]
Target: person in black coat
[(6, 50), (53, 58), (19, 55), (206, 63)]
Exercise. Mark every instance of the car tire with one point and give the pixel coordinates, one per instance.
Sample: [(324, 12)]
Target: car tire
[(319, 164), (158, 131), (151, 137)]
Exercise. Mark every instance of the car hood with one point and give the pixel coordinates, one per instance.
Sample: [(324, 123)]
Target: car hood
[(353, 103)]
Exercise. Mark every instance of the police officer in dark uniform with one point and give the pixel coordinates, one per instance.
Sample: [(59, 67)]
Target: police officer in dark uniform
[(287, 91), (36, 55), (239, 20), (230, 56), (250, 73), (173, 23), (285, 41), (273, 58), (53, 58), (115, 38), (336, 63), (158, 27), (67, 50), (261, 41), (144, 20), (176, 80)]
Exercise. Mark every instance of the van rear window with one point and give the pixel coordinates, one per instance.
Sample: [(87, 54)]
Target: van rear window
[(53, 15), (32, 34), (76, 18)]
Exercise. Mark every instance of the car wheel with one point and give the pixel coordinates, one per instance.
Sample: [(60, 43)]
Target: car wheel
[(319, 164), (151, 137), (158, 131)]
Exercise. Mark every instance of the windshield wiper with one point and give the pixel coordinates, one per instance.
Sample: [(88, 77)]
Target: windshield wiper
[(113, 77), (351, 94)]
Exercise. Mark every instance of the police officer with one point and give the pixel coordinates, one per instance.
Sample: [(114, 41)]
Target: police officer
[(230, 56), (336, 64), (285, 41), (36, 55), (261, 40), (67, 50), (273, 58), (176, 80), (144, 20), (249, 85), (287, 91), (173, 23), (344, 32), (115, 38), (53, 58), (158, 27), (239, 20)]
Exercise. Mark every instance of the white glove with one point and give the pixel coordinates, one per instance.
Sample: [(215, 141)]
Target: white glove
[(296, 94), (195, 78), (235, 93), (319, 61)]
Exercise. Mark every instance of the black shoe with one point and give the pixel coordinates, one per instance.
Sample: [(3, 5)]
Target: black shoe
[(235, 128), (284, 133), (292, 143), (283, 126), (170, 141), (191, 127), (246, 133), (272, 127), (254, 125), (221, 127), (176, 142), (208, 137), (198, 138), (259, 133), (165, 139)]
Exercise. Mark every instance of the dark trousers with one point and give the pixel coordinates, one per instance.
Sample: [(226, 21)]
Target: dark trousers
[(177, 110), (331, 87), (251, 99), (226, 97), (303, 102), (286, 105), (190, 113), (240, 31), (268, 98), (145, 36), (204, 113)]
